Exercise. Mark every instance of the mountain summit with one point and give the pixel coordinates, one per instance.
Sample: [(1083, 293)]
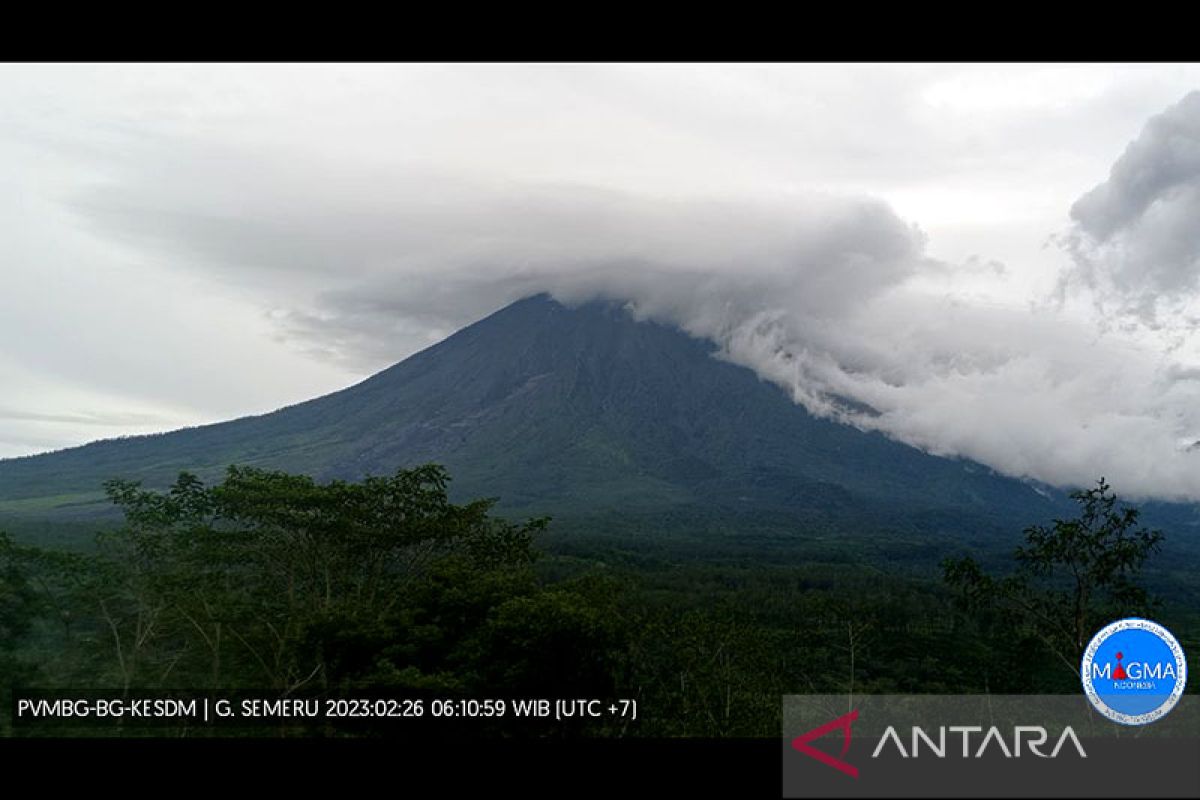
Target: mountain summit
[(557, 409)]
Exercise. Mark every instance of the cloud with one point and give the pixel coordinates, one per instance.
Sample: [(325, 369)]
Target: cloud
[(1028, 392), (101, 419), (826, 295), (359, 261), (366, 212), (1136, 240)]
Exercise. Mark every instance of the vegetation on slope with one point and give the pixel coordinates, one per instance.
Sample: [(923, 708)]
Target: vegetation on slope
[(280, 585)]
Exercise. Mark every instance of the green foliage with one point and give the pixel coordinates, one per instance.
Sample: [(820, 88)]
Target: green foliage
[(273, 581), (282, 584), (16, 597), (1071, 576), (18, 609)]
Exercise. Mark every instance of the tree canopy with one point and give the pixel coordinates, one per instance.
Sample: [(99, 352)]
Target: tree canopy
[(1072, 576)]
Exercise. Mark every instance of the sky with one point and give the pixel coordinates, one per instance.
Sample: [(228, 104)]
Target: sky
[(999, 262)]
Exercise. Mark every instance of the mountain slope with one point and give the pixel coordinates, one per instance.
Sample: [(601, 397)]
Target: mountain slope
[(553, 408)]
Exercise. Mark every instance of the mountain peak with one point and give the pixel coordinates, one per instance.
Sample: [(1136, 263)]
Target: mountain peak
[(556, 407)]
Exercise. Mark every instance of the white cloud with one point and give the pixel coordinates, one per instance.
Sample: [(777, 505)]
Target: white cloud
[(1137, 237), (226, 234)]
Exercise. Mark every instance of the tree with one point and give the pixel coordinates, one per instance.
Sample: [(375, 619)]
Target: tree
[(269, 580), (15, 595), (1071, 576), (17, 604)]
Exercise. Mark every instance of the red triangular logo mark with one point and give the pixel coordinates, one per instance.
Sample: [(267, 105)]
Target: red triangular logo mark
[(801, 743), (1119, 672)]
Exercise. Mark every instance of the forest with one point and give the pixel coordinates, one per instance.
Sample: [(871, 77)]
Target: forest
[(275, 585)]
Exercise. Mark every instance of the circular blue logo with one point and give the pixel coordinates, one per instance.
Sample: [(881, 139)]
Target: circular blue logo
[(1133, 671)]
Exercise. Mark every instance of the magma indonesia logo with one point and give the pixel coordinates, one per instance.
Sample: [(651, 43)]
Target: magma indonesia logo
[(1133, 671)]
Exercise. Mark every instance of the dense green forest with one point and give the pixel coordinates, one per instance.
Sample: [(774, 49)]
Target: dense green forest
[(276, 584)]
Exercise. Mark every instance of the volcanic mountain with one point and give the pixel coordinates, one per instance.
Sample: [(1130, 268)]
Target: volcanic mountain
[(577, 411)]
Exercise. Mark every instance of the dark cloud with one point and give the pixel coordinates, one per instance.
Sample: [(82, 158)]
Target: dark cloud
[(1137, 235), (391, 257)]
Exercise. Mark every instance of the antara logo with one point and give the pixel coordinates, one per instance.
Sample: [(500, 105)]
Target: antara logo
[(844, 722), (938, 749), (1033, 737)]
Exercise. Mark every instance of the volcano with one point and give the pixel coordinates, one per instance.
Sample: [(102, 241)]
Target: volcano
[(568, 410)]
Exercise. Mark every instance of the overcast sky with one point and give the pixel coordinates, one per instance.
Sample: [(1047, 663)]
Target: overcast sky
[(999, 262)]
